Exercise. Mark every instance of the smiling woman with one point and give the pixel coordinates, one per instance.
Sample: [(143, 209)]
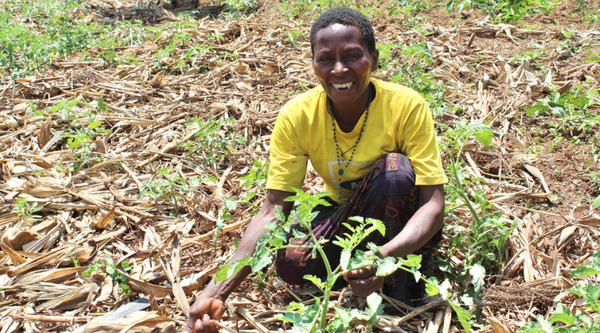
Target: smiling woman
[(374, 145)]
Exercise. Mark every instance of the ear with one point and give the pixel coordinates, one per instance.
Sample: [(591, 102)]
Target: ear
[(375, 56)]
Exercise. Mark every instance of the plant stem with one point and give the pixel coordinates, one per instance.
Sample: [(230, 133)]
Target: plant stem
[(461, 191), (328, 283)]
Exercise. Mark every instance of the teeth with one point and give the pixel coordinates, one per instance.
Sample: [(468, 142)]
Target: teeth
[(342, 86)]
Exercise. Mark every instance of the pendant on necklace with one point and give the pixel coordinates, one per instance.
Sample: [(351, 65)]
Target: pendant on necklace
[(341, 172)]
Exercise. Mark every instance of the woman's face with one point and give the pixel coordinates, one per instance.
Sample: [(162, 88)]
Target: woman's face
[(343, 65)]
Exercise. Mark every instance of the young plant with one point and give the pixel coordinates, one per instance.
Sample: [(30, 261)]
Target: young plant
[(213, 141), (313, 318), (487, 234), (572, 108), (168, 188), (110, 268), (26, 210), (508, 11)]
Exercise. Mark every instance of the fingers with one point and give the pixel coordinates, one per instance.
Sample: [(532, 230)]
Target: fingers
[(365, 287), (191, 323), (204, 325), (360, 273)]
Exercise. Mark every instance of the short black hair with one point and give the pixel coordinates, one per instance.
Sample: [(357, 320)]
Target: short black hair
[(345, 16)]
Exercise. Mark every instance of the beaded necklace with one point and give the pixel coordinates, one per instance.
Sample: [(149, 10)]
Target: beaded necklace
[(337, 147)]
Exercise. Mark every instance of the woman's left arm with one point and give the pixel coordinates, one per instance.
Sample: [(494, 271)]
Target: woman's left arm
[(421, 227)]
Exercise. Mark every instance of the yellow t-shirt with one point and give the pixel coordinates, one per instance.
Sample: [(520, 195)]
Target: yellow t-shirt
[(399, 120)]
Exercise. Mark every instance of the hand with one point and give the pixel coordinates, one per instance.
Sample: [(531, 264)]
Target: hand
[(205, 310), (363, 281)]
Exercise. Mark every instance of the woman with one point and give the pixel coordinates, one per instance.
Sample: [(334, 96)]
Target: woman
[(374, 145)]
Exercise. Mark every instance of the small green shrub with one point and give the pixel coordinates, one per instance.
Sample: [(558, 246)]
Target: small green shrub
[(572, 109), (109, 267), (214, 140), (508, 11), (313, 318)]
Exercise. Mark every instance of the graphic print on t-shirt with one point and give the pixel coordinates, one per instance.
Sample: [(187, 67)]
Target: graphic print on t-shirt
[(346, 186)]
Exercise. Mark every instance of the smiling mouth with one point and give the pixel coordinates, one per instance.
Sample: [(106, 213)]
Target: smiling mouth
[(343, 85)]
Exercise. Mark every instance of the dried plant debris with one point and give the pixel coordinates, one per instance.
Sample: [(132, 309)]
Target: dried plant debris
[(132, 161)]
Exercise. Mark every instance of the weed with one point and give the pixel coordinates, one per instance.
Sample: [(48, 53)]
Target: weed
[(58, 30), (25, 209), (415, 75), (80, 141), (294, 37), (213, 142), (239, 7), (409, 11), (257, 176), (313, 318), (572, 110), (310, 9), (508, 11), (110, 268), (486, 237), (170, 187)]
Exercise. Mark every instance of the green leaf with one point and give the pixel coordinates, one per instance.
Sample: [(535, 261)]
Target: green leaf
[(345, 258), (477, 272), (536, 107), (590, 292), (582, 271), (597, 202), (316, 281), (344, 314), (261, 261), (374, 307), (485, 137), (94, 124), (101, 104), (279, 214), (432, 289), (412, 260), (463, 316), (563, 315), (231, 203), (221, 274), (387, 266)]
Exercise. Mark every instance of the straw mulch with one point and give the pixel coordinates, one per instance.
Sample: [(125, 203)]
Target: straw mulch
[(92, 202)]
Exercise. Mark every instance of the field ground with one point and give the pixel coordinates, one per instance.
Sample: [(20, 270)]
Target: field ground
[(126, 129)]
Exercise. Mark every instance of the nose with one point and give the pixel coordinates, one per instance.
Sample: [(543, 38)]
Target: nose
[(339, 67)]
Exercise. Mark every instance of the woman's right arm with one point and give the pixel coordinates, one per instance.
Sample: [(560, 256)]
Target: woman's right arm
[(209, 305)]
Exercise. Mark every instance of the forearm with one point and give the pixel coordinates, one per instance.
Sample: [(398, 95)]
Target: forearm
[(254, 231), (421, 227)]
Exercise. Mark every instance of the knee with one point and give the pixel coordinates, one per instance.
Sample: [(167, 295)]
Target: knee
[(397, 170)]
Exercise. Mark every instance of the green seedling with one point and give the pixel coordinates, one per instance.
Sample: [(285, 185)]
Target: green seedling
[(170, 187), (572, 108), (25, 209), (110, 268), (313, 318), (214, 141), (508, 11)]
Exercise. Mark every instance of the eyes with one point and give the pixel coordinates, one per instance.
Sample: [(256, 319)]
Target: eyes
[(349, 57)]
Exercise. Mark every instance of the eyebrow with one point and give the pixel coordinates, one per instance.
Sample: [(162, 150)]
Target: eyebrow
[(350, 49)]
